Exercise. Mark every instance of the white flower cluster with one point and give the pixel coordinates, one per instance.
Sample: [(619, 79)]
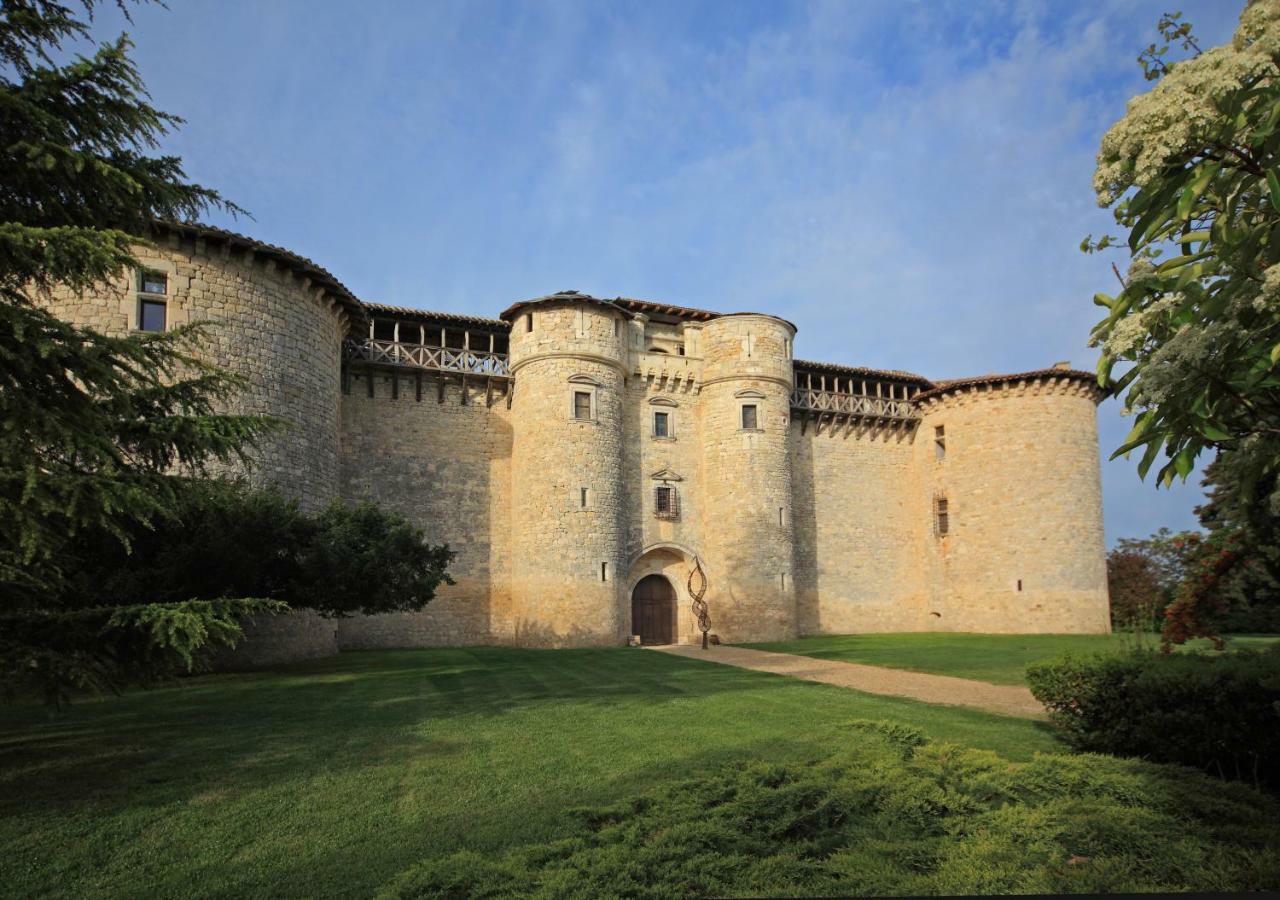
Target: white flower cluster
[(1178, 117)]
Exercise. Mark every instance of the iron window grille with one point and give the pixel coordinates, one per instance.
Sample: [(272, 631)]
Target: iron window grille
[(666, 502)]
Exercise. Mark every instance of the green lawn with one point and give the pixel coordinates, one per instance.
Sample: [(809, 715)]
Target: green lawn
[(332, 778), (997, 658)]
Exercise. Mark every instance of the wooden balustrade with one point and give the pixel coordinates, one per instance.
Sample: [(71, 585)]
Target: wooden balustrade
[(462, 360), (847, 404)]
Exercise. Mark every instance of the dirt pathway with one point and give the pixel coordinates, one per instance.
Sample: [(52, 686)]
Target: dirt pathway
[(1005, 699)]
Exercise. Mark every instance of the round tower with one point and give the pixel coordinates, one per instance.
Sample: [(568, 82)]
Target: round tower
[(1014, 462), (745, 405), (568, 539), (274, 318)]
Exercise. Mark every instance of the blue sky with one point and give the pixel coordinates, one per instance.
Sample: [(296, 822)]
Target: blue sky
[(907, 182)]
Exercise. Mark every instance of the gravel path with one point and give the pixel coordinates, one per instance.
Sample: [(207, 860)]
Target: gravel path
[(1008, 700)]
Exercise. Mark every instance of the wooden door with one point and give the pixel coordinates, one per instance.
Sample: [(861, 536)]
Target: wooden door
[(653, 610)]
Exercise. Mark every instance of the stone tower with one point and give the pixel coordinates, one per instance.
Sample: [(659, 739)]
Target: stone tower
[(1019, 472), (567, 357), (274, 318), (746, 474)]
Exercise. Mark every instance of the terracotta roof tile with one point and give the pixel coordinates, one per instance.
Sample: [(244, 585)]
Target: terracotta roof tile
[(861, 371), (944, 387), (426, 314), (317, 273)]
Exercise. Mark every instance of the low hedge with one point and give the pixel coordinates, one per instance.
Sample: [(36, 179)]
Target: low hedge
[(1217, 713), (892, 814)]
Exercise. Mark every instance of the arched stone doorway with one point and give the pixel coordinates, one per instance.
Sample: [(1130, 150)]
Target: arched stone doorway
[(653, 610)]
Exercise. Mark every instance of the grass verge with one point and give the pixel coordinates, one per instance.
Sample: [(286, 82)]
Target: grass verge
[(996, 658)]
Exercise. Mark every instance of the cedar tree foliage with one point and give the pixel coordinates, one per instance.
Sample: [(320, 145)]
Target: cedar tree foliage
[(97, 432)]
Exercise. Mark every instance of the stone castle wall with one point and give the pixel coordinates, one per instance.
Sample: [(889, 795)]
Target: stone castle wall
[(1021, 476), (858, 529), (265, 324), (444, 464), (746, 474), (283, 336), (567, 550), (821, 526)]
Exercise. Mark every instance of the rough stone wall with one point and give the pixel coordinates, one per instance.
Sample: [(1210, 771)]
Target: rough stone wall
[(265, 325), (1021, 475), (271, 640), (567, 559), (446, 466), (284, 337), (746, 477), (857, 529)]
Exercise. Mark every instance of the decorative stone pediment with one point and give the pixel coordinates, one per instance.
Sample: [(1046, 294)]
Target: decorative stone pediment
[(583, 379), (662, 401), (665, 474), (749, 393)]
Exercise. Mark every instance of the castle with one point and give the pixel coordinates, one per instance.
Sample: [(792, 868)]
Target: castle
[(579, 454)]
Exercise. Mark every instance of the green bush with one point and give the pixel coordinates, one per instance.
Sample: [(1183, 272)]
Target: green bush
[(224, 540), (1217, 713), (894, 815)]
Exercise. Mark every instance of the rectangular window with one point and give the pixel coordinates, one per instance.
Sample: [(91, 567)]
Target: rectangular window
[(155, 283), (582, 404), (151, 315), (939, 443), (583, 497), (604, 571), (528, 322), (666, 505), (750, 417), (942, 516), (661, 424)]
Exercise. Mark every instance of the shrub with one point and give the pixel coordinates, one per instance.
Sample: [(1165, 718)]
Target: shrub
[(893, 814), (225, 540), (1217, 713)]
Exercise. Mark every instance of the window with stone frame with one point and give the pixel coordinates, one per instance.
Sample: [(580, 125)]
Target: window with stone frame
[(582, 405), (941, 516), (939, 443), (666, 502), (661, 424), (153, 300), (750, 417)]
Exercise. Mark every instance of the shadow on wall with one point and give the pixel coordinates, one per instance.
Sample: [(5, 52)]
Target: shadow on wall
[(804, 529), (440, 462), (538, 634)]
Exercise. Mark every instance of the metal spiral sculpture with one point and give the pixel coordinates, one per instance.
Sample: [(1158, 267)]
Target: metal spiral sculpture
[(700, 610)]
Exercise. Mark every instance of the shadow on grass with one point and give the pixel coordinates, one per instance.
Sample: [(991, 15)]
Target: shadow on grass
[(356, 710)]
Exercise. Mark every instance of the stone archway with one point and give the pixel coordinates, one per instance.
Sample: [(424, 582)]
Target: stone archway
[(653, 610)]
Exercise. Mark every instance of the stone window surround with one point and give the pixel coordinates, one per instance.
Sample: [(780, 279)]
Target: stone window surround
[(131, 305), (754, 399), (583, 384)]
